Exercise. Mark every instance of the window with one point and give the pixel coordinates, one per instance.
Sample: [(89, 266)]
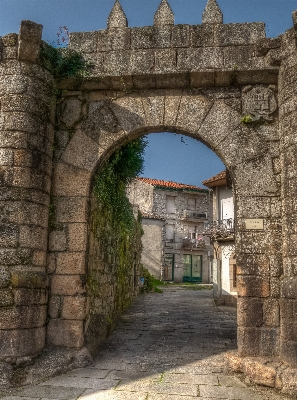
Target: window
[(191, 204), (227, 210), (169, 233), (168, 267), (192, 268), (193, 232), (170, 204)]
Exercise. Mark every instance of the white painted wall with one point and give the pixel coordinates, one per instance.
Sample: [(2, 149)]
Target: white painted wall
[(225, 273), (141, 193), (152, 243), (226, 205)]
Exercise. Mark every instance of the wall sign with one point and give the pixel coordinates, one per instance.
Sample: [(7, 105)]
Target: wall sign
[(254, 224)]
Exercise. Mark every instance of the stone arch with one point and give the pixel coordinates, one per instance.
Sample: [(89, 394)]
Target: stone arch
[(212, 116)]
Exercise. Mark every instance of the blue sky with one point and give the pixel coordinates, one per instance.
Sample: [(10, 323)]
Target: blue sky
[(167, 156)]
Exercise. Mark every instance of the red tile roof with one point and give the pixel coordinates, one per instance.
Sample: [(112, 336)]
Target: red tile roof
[(219, 178), (170, 185)]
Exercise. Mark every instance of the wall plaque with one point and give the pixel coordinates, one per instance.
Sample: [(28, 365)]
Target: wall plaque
[(259, 102), (254, 224)]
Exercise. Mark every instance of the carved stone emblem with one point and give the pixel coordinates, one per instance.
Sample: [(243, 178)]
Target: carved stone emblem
[(259, 102)]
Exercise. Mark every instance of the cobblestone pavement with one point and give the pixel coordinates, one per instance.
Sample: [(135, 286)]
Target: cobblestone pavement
[(167, 346)]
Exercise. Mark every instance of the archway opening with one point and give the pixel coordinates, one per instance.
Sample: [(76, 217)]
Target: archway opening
[(169, 239)]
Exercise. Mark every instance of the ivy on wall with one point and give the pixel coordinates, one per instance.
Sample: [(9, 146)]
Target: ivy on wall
[(110, 184), (63, 62), (114, 243)]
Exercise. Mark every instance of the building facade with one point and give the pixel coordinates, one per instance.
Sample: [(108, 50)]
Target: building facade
[(221, 234), (174, 216)]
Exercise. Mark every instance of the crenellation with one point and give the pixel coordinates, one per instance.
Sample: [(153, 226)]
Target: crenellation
[(29, 41), (164, 15), (117, 18), (294, 16), (212, 13)]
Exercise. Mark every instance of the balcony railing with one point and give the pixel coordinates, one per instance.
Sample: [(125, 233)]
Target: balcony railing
[(198, 244), (188, 214), (221, 229)]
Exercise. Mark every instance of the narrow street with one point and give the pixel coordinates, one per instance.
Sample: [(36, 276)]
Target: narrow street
[(167, 346)]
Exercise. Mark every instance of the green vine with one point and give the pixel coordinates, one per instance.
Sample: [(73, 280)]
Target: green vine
[(63, 62), (247, 119), (110, 184), (151, 283), (114, 225)]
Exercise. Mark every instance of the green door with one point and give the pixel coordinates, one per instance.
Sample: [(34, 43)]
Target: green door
[(169, 267), (192, 268)]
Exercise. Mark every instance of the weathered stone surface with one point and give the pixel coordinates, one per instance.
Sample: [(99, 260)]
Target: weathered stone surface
[(164, 15), (74, 307), (259, 373), (69, 263), (83, 41), (192, 112), (250, 312), (289, 381), (289, 287), (248, 341), (117, 18), (86, 157), (24, 296), (71, 112), (253, 286), (271, 312), (234, 362), (6, 298), (77, 237), (67, 285), (71, 209), (4, 277), (22, 317), (70, 181), (21, 342), (31, 280), (252, 264), (212, 13), (29, 41), (57, 241), (65, 333)]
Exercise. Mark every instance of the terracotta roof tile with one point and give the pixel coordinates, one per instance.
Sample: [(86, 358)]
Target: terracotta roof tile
[(169, 184), (218, 177)]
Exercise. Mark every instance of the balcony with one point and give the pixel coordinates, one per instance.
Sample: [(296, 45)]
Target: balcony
[(193, 215), (194, 244), (220, 230)]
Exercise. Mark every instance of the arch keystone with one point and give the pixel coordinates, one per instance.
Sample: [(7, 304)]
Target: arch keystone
[(212, 13), (164, 15), (117, 17)]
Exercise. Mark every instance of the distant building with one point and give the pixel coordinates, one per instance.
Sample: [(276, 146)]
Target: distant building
[(174, 216), (221, 234)]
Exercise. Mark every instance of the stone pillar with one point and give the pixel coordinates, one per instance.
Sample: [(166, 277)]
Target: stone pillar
[(26, 143), (288, 129), (217, 280)]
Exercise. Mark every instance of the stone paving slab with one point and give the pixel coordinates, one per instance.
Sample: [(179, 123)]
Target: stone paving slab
[(167, 346), (51, 392), (192, 379), (80, 382), (224, 392), (112, 395), (159, 387), (88, 373)]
